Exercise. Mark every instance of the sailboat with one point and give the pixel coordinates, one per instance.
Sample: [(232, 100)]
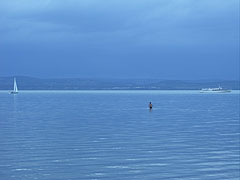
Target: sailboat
[(15, 89)]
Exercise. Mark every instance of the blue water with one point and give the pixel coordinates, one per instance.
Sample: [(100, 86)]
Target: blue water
[(72, 135)]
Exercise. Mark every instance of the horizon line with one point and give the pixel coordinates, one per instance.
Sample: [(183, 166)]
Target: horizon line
[(120, 78)]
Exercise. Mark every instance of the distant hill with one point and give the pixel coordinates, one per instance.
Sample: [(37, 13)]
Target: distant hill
[(30, 83)]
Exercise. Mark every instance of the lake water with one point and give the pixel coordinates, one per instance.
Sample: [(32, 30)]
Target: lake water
[(72, 135)]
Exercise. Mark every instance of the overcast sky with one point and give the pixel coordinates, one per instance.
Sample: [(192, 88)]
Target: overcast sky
[(165, 39)]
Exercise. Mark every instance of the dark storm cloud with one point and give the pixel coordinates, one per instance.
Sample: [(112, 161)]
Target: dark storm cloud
[(121, 38)]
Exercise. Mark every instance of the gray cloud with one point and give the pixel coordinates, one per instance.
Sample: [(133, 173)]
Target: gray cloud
[(144, 20), (122, 30)]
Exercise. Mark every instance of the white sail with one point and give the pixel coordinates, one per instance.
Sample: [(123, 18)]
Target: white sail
[(15, 89)]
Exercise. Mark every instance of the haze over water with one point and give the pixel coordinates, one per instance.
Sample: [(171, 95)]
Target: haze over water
[(71, 135)]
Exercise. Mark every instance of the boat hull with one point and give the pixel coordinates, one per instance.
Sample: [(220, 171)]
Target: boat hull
[(223, 91)]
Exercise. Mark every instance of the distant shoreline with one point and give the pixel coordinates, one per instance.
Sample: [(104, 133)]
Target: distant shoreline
[(30, 83), (122, 91), (110, 89)]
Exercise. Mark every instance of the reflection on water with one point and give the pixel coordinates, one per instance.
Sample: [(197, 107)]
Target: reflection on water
[(114, 135)]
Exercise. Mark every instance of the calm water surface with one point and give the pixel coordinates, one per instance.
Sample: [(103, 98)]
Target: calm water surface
[(72, 135)]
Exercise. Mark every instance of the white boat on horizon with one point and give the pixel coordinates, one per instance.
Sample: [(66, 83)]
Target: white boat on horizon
[(15, 88), (215, 90)]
